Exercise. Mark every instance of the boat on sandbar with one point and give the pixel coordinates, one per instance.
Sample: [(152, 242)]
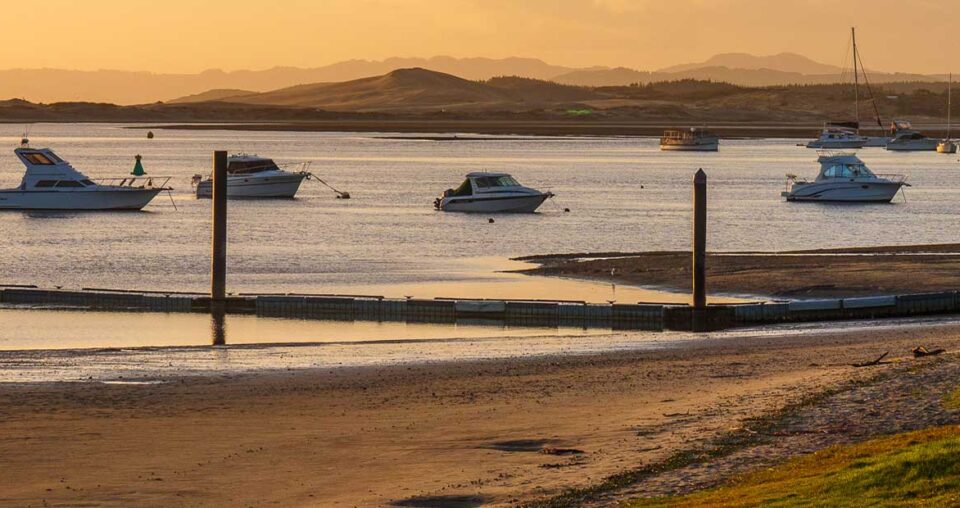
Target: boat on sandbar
[(694, 139), (51, 183), (251, 176), (491, 193), (844, 177)]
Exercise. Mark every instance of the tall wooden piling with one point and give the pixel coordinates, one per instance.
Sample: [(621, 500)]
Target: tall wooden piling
[(218, 282), (700, 240)]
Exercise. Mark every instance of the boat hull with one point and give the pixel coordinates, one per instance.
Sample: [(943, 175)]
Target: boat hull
[(876, 142), (99, 200), (273, 186), (850, 192), (501, 204), (704, 147), (920, 145), (840, 144)]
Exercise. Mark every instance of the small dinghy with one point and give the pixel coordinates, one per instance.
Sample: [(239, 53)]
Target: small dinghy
[(491, 193)]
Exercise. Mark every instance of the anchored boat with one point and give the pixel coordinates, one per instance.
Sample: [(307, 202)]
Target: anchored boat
[(250, 176), (839, 135), (947, 144), (844, 177), (51, 183), (689, 140), (491, 193), (844, 135), (906, 139)]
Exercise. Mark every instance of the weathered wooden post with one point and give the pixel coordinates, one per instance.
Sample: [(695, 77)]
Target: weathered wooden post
[(699, 251), (218, 278), (699, 240), (218, 282)]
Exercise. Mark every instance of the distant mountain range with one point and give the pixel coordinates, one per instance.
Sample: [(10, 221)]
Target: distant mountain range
[(122, 87)]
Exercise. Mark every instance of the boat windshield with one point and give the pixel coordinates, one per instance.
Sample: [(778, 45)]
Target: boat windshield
[(484, 182), (254, 166), (42, 159), (846, 171)]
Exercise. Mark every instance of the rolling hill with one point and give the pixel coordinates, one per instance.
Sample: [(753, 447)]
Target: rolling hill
[(416, 89)]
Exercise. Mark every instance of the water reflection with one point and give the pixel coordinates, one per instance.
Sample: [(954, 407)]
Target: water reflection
[(218, 323), (47, 329)]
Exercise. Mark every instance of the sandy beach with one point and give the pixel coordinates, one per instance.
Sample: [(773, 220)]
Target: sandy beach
[(465, 433)]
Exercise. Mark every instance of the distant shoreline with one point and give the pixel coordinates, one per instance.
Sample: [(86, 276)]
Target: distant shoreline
[(501, 128)]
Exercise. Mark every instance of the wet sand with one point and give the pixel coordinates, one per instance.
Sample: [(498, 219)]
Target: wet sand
[(448, 434), (789, 275)]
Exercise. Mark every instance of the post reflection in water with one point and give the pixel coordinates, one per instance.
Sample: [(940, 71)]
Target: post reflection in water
[(218, 323)]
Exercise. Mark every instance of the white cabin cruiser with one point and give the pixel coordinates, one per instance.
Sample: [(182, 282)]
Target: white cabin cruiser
[(906, 139), (250, 176), (491, 193), (689, 140), (844, 177), (839, 135), (51, 183)]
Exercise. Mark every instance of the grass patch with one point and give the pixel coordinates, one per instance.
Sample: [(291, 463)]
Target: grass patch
[(920, 468), (952, 400)]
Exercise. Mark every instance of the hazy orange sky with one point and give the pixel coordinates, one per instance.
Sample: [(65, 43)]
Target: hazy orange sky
[(192, 35)]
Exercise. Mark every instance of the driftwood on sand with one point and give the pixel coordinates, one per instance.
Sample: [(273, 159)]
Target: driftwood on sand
[(920, 351), (874, 362)]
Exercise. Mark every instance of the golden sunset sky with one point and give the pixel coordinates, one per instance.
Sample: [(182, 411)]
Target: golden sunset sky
[(193, 35)]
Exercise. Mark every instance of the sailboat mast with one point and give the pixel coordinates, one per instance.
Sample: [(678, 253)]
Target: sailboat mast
[(949, 108), (856, 76)]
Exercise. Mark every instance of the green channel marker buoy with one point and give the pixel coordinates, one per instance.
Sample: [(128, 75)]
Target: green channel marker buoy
[(138, 168)]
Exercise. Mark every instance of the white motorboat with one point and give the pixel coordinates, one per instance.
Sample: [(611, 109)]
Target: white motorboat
[(906, 139), (491, 193), (844, 177), (51, 183), (839, 135), (947, 145), (693, 139), (250, 176)]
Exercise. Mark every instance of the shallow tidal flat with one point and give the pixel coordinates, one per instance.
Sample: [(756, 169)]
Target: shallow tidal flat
[(789, 275)]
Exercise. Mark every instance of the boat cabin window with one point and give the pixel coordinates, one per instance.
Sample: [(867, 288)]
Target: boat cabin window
[(465, 189), (88, 183), (846, 171), (69, 183), (485, 182), (45, 183), (40, 159), (244, 167)]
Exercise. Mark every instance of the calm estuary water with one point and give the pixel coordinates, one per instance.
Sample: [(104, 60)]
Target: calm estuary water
[(624, 195)]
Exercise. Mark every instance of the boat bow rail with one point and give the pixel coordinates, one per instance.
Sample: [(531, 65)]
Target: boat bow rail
[(136, 182)]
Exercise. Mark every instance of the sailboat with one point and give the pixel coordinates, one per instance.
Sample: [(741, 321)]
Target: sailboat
[(946, 145), (847, 134)]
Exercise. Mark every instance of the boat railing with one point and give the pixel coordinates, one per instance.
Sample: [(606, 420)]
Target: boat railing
[(136, 182), (893, 177)]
